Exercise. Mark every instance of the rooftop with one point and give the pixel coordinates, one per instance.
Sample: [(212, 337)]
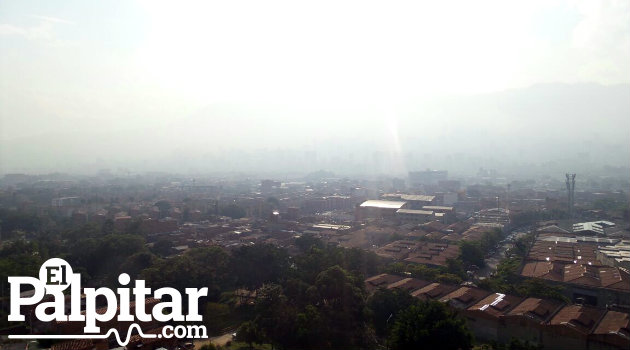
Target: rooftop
[(582, 274), (409, 197), (580, 318), (374, 203), (381, 281), (414, 212), (433, 291), (464, 297), (539, 310), (432, 253), (616, 324), (408, 284), (496, 304)]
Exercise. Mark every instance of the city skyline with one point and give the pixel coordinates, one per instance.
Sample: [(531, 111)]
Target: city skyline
[(157, 86)]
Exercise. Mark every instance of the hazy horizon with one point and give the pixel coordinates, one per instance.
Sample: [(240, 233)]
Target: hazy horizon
[(351, 87)]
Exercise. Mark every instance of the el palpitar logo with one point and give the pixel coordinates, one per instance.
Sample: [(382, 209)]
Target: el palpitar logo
[(55, 276)]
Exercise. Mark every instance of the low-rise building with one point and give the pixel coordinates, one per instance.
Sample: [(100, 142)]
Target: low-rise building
[(615, 255), (408, 284), (414, 216), (464, 297), (570, 327), (433, 254), (378, 209), (433, 291), (381, 281), (527, 320), (500, 317), (485, 317), (612, 331)]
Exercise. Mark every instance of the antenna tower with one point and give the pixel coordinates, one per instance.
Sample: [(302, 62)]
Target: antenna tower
[(571, 193)]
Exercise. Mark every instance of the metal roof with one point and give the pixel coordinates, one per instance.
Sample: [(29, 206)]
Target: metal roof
[(373, 203)]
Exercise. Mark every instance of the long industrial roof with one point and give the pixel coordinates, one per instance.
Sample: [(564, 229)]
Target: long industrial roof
[(374, 203)]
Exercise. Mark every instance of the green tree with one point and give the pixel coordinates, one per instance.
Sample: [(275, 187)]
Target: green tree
[(197, 268), (429, 325), (249, 333), (472, 253), (138, 262), (162, 247), (308, 241), (18, 220), (341, 301), (454, 266), (276, 316), (385, 305), (540, 289), (216, 317), (258, 264)]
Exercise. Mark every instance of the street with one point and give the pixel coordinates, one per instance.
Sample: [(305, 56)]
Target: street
[(499, 254)]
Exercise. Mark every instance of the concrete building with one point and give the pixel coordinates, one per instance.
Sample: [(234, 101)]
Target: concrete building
[(414, 216), (414, 201), (498, 216), (592, 227), (615, 255)]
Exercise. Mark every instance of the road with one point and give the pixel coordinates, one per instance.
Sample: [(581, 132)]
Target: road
[(493, 261), (218, 341)]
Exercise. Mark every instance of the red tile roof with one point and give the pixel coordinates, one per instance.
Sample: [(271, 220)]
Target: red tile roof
[(614, 322), (464, 297), (537, 309), (433, 291), (586, 275), (408, 284), (381, 281), (579, 318), (496, 304)]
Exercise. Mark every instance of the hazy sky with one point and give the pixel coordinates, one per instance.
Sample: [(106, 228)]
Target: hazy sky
[(99, 84)]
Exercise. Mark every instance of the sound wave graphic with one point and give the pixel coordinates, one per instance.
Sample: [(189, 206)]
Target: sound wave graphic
[(95, 336)]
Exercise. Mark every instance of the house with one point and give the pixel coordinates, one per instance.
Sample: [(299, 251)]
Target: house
[(527, 320), (613, 331), (570, 327), (464, 297), (381, 281), (485, 317), (408, 284), (433, 291)]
